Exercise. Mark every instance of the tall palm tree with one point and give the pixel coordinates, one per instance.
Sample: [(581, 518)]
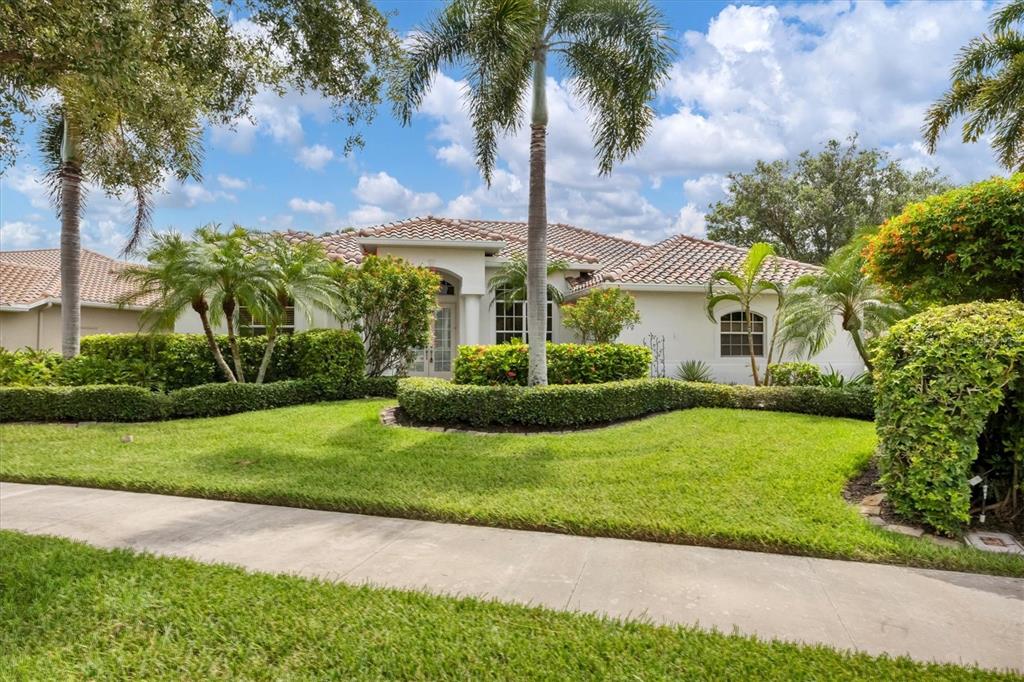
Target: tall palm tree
[(298, 275), (615, 53), (988, 88), (747, 283), (509, 283), (66, 161), (178, 277), (841, 289)]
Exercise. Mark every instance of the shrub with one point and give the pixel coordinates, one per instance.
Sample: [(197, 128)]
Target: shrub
[(391, 303), (940, 378), (440, 402), (81, 403), (963, 245), (28, 367), (568, 363), (331, 360), (794, 374), (695, 370), (219, 399), (601, 315), (378, 387)]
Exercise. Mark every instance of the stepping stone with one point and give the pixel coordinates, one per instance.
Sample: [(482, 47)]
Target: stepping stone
[(873, 500), (904, 530), (990, 541)]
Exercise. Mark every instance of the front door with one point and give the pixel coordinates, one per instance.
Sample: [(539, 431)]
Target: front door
[(436, 360)]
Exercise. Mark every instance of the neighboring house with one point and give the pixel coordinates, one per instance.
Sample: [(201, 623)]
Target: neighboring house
[(30, 298), (668, 279)]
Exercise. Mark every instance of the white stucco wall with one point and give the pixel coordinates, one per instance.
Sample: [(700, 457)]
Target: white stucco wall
[(689, 335), (40, 328)]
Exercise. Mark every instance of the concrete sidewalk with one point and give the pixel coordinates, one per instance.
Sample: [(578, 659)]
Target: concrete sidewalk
[(930, 615)]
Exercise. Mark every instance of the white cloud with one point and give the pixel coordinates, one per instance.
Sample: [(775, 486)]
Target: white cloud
[(232, 183), (19, 234), (315, 157), (276, 117), (322, 208), (690, 220), (383, 198)]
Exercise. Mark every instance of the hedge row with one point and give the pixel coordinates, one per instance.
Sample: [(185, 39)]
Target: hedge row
[(107, 403), (436, 401), (174, 361), (568, 363)]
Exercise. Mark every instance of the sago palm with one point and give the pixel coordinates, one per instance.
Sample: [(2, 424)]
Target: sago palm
[(614, 52), (745, 285), (840, 290), (988, 89), (297, 275), (177, 277)]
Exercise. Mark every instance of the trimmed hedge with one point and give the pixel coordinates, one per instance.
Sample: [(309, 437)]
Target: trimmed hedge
[(378, 387), (436, 401), (568, 363), (214, 400), (332, 356), (82, 403)]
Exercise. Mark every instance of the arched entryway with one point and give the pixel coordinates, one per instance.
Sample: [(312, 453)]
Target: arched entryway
[(437, 358)]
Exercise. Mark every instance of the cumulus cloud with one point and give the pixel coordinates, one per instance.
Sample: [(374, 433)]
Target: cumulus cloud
[(762, 82), (315, 157), (322, 208), (231, 183), (19, 234), (383, 198)]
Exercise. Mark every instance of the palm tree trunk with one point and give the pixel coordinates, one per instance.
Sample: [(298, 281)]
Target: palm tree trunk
[(859, 343), (70, 243), (265, 363), (536, 235), (750, 346), (771, 349), (236, 354), (218, 357)]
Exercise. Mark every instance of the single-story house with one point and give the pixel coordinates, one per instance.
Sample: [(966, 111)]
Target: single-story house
[(30, 298), (668, 280)]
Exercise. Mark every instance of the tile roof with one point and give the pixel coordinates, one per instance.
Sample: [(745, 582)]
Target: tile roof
[(688, 261), (603, 248), (433, 229), (339, 245), (31, 277)]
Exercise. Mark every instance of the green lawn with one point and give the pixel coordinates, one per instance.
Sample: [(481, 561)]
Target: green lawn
[(68, 611), (756, 480)]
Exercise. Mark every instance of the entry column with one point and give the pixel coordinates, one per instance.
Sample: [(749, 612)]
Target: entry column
[(471, 319)]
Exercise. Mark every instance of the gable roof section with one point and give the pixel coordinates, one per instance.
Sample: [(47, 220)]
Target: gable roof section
[(340, 246), (595, 246), (30, 278), (430, 229), (682, 260)]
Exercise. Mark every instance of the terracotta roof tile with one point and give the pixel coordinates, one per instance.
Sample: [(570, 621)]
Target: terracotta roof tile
[(338, 245), (433, 229), (28, 277), (687, 260)]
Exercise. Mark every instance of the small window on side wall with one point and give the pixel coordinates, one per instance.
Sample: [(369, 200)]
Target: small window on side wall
[(735, 340), (247, 326)]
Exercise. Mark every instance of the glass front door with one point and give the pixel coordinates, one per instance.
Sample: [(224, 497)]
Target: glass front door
[(437, 359)]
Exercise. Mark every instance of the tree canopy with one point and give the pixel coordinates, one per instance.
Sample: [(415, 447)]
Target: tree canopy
[(809, 208), (138, 79)]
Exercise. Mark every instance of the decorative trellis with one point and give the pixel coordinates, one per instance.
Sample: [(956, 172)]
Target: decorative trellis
[(657, 346)]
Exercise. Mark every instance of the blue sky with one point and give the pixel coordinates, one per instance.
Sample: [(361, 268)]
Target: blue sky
[(749, 82)]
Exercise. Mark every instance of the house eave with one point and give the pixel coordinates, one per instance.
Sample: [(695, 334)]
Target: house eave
[(22, 308)]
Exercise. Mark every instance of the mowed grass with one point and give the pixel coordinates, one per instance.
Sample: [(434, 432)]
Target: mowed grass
[(68, 611), (755, 480)]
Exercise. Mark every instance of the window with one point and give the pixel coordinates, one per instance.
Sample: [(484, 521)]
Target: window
[(446, 288), (734, 334), (249, 327), (510, 319)]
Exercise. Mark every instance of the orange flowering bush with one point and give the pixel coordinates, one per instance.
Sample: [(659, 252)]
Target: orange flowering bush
[(964, 245)]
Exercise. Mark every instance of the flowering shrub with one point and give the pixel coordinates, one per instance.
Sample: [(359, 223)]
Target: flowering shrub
[(568, 363), (963, 245), (601, 315), (945, 378)]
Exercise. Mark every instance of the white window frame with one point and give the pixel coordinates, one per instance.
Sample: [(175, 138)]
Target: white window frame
[(247, 328), (520, 317), (719, 333)]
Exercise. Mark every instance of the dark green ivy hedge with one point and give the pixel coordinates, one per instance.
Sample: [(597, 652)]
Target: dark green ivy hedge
[(436, 401), (568, 363)]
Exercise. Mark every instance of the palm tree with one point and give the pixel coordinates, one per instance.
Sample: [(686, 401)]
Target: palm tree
[(66, 164), (988, 88), (748, 282), (841, 290), (509, 283), (178, 277), (241, 278), (297, 275), (615, 53)]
